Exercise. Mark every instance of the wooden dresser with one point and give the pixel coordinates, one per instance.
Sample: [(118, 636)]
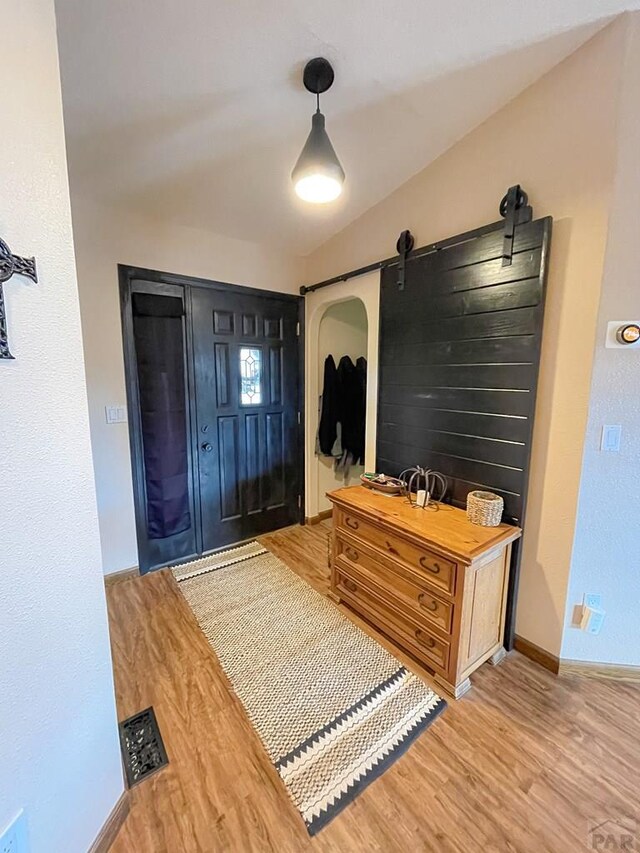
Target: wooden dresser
[(432, 581)]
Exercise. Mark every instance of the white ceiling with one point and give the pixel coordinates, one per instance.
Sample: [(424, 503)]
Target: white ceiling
[(195, 112)]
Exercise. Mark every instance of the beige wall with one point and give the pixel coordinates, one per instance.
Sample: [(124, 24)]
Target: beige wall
[(605, 552), (59, 752), (104, 238), (556, 140)]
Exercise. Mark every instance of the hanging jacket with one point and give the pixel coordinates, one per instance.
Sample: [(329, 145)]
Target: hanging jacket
[(361, 367), (351, 407), (327, 429)]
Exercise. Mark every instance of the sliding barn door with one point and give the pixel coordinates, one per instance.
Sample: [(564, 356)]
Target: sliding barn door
[(459, 357)]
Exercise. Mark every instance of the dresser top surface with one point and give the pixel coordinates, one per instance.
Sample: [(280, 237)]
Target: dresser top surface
[(446, 527)]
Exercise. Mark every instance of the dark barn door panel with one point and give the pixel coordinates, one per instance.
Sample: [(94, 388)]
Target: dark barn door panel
[(246, 376), (459, 359)]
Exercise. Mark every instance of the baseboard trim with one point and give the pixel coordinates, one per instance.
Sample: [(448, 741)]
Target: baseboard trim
[(537, 654), (124, 575), (591, 669), (112, 825), (316, 519)]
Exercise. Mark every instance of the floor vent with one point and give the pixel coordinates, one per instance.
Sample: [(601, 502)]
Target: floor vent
[(142, 748)]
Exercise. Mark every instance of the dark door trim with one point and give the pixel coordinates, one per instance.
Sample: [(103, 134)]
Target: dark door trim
[(169, 283)]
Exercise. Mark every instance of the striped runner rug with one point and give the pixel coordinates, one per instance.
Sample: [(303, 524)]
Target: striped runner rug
[(332, 707)]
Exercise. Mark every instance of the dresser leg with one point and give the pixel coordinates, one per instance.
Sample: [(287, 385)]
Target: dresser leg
[(498, 656), (457, 690), (333, 597)]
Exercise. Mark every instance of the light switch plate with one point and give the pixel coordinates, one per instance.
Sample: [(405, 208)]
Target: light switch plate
[(593, 600), (610, 439), (114, 415)]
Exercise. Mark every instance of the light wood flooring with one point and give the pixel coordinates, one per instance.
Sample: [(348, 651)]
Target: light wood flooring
[(524, 762)]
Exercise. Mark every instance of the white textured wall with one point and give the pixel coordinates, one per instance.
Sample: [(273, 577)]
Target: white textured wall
[(606, 556), (59, 755), (105, 238)]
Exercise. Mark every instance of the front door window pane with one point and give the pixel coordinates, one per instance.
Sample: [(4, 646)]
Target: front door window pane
[(250, 376)]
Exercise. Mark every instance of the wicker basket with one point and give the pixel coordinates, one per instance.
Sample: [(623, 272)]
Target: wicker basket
[(484, 508)]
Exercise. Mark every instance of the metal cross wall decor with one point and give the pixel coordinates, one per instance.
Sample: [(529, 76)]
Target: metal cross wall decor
[(11, 264)]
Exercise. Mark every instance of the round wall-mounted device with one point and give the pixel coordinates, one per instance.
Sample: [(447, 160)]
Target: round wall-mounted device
[(628, 334)]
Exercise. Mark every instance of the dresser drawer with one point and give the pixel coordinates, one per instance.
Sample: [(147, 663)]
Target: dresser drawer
[(438, 570), (395, 583), (418, 639)]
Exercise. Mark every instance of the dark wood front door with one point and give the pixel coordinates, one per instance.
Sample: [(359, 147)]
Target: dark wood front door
[(246, 381), (214, 395)]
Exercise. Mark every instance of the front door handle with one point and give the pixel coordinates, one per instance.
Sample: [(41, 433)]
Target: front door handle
[(207, 447)]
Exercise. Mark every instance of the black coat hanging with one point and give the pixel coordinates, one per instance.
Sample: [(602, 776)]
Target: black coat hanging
[(351, 408), (327, 430)]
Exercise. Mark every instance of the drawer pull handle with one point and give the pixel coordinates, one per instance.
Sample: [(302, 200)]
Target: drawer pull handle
[(390, 548), (351, 553), (350, 585), (427, 602), (435, 568), (352, 523), (427, 641)]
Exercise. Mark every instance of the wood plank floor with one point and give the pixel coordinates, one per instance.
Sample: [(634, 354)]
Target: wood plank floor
[(524, 762)]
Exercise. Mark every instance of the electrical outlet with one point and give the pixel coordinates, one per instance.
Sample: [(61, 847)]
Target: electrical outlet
[(610, 438), (592, 600), (592, 620), (595, 622), (14, 838)]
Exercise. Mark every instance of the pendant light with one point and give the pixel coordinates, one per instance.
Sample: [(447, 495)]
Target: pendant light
[(318, 176)]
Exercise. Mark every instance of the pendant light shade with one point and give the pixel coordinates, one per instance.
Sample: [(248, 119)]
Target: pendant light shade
[(318, 176)]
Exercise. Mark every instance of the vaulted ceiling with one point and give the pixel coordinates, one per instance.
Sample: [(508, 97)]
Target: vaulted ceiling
[(194, 112)]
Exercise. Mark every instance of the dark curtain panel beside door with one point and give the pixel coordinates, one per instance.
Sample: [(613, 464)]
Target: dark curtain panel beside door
[(159, 343)]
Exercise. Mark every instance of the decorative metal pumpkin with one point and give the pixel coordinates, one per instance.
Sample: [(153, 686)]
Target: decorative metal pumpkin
[(413, 477)]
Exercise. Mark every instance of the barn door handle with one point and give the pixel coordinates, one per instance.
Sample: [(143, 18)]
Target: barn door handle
[(427, 602), (427, 641), (435, 568), (207, 447), (352, 523)]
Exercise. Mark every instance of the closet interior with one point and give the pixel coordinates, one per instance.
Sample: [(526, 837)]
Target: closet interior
[(340, 425)]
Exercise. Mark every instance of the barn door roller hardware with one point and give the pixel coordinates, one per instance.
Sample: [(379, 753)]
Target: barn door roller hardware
[(404, 246), (515, 210), (11, 264)]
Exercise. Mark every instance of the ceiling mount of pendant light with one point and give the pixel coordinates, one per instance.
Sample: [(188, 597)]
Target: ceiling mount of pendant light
[(318, 176)]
